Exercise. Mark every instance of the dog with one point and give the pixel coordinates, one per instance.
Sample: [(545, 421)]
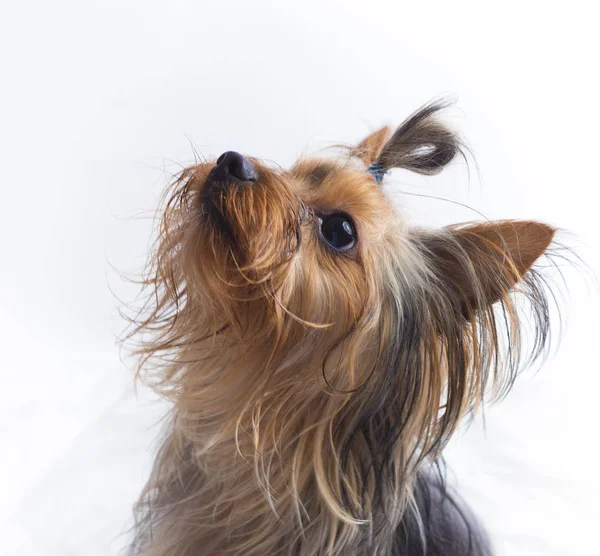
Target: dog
[(319, 352)]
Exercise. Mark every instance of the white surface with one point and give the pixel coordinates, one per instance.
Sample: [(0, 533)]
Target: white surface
[(98, 99)]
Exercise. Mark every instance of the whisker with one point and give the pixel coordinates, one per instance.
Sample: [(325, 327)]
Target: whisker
[(444, 199)]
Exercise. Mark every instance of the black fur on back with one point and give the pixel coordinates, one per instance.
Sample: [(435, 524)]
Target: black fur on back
[(447, 528)]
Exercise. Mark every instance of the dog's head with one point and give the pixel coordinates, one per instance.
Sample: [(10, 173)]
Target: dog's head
[(301, 315)]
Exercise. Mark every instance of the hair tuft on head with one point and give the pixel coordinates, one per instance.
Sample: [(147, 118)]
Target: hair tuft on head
[(422, 144)]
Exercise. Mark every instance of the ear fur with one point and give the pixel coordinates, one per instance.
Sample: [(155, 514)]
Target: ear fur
[(479, 264)]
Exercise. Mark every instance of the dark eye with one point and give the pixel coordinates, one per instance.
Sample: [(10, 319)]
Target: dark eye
[(338, 231)]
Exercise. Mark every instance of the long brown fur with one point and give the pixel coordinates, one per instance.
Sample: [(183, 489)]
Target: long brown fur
[(311, 387)]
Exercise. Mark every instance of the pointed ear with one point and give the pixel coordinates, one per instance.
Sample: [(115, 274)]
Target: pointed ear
[(370, 148), (479, 264)]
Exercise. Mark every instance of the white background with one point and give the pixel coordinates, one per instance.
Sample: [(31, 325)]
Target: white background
[(100, 101)]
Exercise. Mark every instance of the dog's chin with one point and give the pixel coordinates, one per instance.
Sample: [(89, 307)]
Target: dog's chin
[(215, 222), (214, 199)]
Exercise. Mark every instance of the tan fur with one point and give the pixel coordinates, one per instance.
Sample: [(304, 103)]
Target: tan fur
[(273, 349)]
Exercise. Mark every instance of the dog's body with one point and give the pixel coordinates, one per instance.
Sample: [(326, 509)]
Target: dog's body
[(439, 525), (448, 527), (319, 354)]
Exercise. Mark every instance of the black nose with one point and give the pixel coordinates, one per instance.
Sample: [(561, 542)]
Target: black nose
[(232, 166)]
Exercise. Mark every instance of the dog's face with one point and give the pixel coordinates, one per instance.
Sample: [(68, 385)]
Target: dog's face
[(270, 248), (303, 320)]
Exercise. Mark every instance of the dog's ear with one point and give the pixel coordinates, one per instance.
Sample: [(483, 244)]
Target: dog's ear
[(479, 264), (421, 144), (370, 148)]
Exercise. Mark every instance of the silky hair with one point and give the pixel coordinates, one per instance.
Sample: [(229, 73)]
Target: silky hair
[(313, 391)]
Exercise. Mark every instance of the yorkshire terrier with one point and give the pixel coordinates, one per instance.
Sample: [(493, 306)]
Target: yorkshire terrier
[(319, 353)]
